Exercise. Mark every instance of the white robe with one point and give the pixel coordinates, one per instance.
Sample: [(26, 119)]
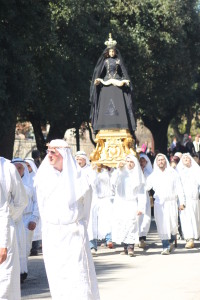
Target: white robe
[(30, 214), (21, 243), (67, 256), (145, 218), (102, 204), (167, 187), (12, 203), (91, 208), (24, 235), (93, 219), (129, 199), (190, 216), (37, 233)]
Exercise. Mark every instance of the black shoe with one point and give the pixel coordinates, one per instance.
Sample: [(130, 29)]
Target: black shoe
[(23, 277), (34, 252)]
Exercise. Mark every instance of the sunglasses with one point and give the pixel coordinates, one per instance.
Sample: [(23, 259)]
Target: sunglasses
[(52, 152)]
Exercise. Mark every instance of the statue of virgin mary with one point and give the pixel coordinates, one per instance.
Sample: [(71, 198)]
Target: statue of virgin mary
[(111, 92)]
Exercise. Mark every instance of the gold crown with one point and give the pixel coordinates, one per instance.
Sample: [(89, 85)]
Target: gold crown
[(110, 42)]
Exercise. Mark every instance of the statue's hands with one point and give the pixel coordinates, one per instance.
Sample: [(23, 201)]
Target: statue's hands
[(127, 82), (97, 81)]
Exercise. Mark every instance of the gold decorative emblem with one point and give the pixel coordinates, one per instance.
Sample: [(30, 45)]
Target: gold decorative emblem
[(112, 147)]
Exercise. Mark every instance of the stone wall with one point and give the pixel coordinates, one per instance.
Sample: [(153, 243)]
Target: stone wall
[(144, 135), (24, 147)]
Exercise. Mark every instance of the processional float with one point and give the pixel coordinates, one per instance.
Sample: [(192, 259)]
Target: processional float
[(112, 116)]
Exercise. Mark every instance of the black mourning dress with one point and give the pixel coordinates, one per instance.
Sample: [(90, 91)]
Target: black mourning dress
[(111, 106)]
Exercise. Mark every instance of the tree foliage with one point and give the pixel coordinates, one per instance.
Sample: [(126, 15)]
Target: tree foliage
[(49, 50)]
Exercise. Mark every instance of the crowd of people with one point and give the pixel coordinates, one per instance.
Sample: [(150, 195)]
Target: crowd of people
[(122, 199), (75, 206), (19, 216), (187, 145)]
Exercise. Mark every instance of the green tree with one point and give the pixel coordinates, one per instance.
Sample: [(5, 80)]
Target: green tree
[(49, 50), (160, 45), (164, 65), (22, 34), (65, 70)]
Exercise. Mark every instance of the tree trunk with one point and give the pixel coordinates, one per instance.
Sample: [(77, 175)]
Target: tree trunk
[(177, 134), (90, 134), (39, 137), (77, 139), (57, 131), (189, 120), (7, 140), (159, 132)]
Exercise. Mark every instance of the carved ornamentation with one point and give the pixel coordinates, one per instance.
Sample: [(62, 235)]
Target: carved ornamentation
[(112, 146)]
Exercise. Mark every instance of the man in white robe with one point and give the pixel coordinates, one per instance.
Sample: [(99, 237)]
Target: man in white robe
[(13, 200), (84, 163), (30, 217), (145, 219), (129, 203), (166, 184), (189, 172), (37, 234), (61, 194), (103, 197)]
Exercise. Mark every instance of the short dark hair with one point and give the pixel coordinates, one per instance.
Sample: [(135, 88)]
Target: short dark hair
[(35, 154)]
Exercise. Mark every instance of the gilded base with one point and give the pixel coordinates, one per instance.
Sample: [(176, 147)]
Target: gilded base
[(112, 146)]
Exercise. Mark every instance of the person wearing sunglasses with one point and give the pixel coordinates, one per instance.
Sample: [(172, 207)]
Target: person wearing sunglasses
[(62, 194)]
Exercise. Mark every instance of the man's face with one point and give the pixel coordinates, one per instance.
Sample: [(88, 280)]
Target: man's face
[(81, 161), (130, 164), (161, 162), (186, 161), (143, 162), (173, 164), (20, 169), (29, 167), (55, 158)]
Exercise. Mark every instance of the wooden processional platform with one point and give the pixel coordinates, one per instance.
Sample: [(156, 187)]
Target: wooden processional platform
[(112, 146)]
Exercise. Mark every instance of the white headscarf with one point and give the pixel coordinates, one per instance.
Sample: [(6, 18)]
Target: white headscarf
[(155, 165), (178, 154), (31, 162), (148, 168), (190, 178), (83, 155), (74, 185), (26, 177), (194, 168), (136, 172), (5, 180), (163, 182)]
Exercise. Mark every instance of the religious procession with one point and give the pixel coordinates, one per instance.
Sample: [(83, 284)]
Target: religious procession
[(66, 208)]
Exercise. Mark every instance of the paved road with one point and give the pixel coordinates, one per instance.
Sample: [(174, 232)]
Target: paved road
[(147, 275)]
